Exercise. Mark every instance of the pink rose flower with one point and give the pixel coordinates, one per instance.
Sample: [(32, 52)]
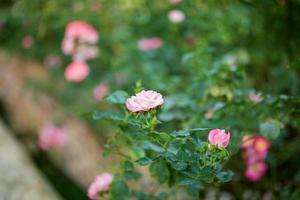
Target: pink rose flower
[(51, 136), (77, 33), (100, 91), (100, 184), (255, 171), (144, 101), (77, 71), (175, 1), (176, 16), (27, 42), (219, 138), (148, 44), (255, 98)]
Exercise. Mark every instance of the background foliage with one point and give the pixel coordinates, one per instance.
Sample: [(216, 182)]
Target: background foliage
[(206, 69)]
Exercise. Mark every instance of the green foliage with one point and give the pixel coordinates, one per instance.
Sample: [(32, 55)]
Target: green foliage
[(207, 67)]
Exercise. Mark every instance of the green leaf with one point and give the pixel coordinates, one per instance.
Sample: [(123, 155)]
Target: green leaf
[(118, 97), (271, 129), (160, 171), (127, 165), (131, 175), (119, 190), (165, 136), (185, 181), (150, 146), (225, 176), (179, 166), (114, 116), (181, 133), (144, 161)]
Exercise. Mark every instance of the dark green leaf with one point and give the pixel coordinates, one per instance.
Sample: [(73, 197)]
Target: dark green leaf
[(179, 166), (119, 190), (225, 176), (144, 161), (160, 171)]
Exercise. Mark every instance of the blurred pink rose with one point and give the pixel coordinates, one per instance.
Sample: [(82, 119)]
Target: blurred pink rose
[(27, 42), (100, 91), (175, 1), (255, 171), (77, 33), (100, 184), (51, 136), (148, 44), (144, 101), (258, 143), (255, 98), (176, 16), (77, 71), (256, 149), (252, 156), (52, 61), (219, 137)]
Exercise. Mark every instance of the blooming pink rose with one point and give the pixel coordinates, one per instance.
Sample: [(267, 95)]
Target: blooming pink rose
[(148, 44), (255, 171), (176, 16), (77, 33), (77, 71), (255, 98), (51, 136), (100, 184), (27, 42), (175, 1), (144, 101), (219, 137), (100, 91)]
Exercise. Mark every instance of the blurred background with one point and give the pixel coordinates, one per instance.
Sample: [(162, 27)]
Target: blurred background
[(219, 63)]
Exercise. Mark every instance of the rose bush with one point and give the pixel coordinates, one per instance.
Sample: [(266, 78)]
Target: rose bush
[(228, 65)]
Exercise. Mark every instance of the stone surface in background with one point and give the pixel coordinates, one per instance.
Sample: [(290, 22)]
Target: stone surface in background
[(19, 179)]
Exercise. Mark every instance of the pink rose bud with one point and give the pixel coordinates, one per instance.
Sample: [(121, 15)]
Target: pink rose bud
[(175, 1), (219, 138), (51, 136), (255, 171), (255, 98), (148, 44), (176, 16), (100, 184), (144, 101), (77, 71), (27, 42), (100, 91)]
